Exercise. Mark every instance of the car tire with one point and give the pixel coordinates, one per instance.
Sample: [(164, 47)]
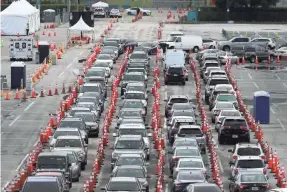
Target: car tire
[(203, 151), (272, 58), (211, 47), (226, 48), (144, 14), (252, 59), (77, 179), (186, 78), (97, 135), (165, 82), (83, 166), (206, 99), (220, 140), (213, 120), (147, 189), (210, 108), (195, 49), (129, 13), (183, 83), (148, 157)]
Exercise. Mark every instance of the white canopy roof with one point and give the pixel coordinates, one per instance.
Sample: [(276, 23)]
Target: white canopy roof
[(81, 26), (49, 10), (100, 4), (20, 8), (28, 5)]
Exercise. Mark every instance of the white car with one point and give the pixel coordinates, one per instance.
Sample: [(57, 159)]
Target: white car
[(133, 11), (107, 69), (115, 13), (221, 106), (106, 58), (282, 52), (224, 56), (265, 42), (209, 44), (193, 164)]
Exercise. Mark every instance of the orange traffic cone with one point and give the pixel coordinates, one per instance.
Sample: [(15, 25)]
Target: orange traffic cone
[(278, 59), (18, 34), (63, 89), (51, 122), (269, 60), (43, 33), (42, 92), (256, 60), (70, 88), (56, 90), (7, 95), (33, 93), (49, 34), (17, 94), (243, 60), (50, 91), (237, 61), (24, 97)]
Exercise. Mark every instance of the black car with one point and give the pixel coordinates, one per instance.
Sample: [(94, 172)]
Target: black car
[(233, 129), (174, 74), (120, 44), (115, 44), (131, 77), (202, 187), (150, 46), (130, 43)]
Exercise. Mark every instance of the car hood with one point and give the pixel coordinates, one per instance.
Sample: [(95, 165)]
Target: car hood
[(104, 60), (90, 124), (138, 60), (50, 170), (67, 149)]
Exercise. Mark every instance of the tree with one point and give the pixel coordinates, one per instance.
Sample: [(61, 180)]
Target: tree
[(226, 4)]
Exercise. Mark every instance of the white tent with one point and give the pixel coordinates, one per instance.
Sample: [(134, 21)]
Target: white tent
[(14, 18), (100, 4), (81, 26), (49, 10)]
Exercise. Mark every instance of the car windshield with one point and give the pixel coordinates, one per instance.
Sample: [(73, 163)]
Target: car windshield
[(68, 143), (248, 151), (134, 96), (237, 122), (138, 56), (103, 57), (224, 106), (206, 189), (146, 44), (111, 43), (51, 162), (250, 163), (86, 117), (139, 48), (71, 158), (187, 152), (62, 133), (132, 172), (90, 89), (133, 77), (130, 161), (183, 113), (39, 186), (190, 131), (214, 82), (95, 73), (178, 100), (132, 104), (70, 124), (190, 176), (190, 164), (130, 114), (230, 113), (184, 143), (114, 48), (129, 144), (123, 186), (182, 106), (136, 88), (251, 178), (224, 97), (171, 38), (141, 132), (102, 64), (118, 41)]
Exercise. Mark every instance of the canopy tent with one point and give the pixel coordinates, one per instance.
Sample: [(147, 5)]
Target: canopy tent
[(49, 10), (81, 26), (15, 17), (100, 4)]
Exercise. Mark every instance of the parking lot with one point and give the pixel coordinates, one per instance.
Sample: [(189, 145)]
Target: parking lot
[(22, 122)]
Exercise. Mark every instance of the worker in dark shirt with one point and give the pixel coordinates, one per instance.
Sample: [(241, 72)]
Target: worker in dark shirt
[(138, 12)]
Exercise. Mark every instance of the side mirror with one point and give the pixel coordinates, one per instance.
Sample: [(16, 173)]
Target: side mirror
[(149, 135), (69, 164), (114, 135), (122, 97), (34, 164), (230, 150), (103, 188), (85, 145), (165, 100)]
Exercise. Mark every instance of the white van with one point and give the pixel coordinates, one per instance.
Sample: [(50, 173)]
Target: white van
[(21, 49), (176, 33), (174, 57), (186, 43)]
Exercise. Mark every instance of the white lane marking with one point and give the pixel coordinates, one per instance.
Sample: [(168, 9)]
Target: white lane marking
[(271, 109), (2, 133), (250, 76), (29, 106), (61, 74), (81, 53), (220, 164), (277, 77), (21, 163), (36, 143), (256, 85), (284, 85), (166, 188), (69, 66), (14, 121), (281, 124), (165, 95)]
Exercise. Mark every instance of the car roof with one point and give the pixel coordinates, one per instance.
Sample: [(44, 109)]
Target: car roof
[(80, 108), (190, 126), (204, 184), (67, 129), (236, 117), (130, 167), (134, 91), (132, 125), (85, 103), (132, 100), (92, 84), (84, 113), (68, 137), (130, 155), (134, 73), (129, 109), (130, 137), (42, 178), (191, 159), (230, 94), (135, 84), (223, 85), (139, 52), (185, 139), (178, 96), (182, 104), (53, 153), (49, 174), (120, 179), (72, 118), (186, 147), (223, 102), (248, 145), (187, 119)]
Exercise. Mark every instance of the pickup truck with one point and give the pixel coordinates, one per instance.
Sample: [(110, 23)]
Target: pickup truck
[(236, 41)]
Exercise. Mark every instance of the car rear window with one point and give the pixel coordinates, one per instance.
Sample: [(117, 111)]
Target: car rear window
[(214, 82), (189, 131), (226, 98), (40, 186), (247, 151), (259, 178), (178, 100), (175, 70), (211, 64), (250, 163), (237, 122)]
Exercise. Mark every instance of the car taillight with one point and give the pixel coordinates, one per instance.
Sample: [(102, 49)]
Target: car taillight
[(236, 171), (264, 171), (266, 186), (242, 186), (225, 127), (168, 73), (185, 72), (177, 185), (204, 171), (175, 158), (243, 127), (234, 157), (263, 157)]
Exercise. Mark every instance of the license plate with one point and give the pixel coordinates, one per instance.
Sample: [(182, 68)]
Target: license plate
[(175, 75), (255, 188), (234, 136)]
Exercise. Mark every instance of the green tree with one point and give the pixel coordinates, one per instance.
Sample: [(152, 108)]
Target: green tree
[(224, 4)]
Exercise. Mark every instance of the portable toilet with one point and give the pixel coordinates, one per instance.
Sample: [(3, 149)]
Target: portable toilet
[(261, 107)]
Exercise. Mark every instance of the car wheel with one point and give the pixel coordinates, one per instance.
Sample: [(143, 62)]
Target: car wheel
[(220, 140), (165, 82), (147, 189), (97, 135), (252, 59), (211, 47), (183, 83), (83, 166), (77, 178), (144, 14), (213, 120), (272, 58), (195, 49), (206, 99), (129, 13), (147, 157), (226, 48), (186, 78)]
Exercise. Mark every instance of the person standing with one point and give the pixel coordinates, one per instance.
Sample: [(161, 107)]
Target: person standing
[(138, 12), (27, 29)]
